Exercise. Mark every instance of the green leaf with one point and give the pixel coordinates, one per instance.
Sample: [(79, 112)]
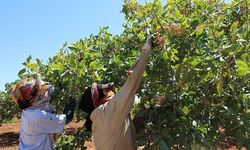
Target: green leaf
[(28, 59), (185, 110), (73, 63), (92, 65), (234, 26), (245, 96), (74, 49), (21, 72), (99, 67), (81, 73), (242, 68), (219, 33), (145, 74), (32, 66), (203, 130), (116, 59), (165, 55), (228, 49), (163, 145), (195, 62), (57, 66), (177, 13), (245, 56), (93, 52), (38, 61), (199, 29), (219, 86)]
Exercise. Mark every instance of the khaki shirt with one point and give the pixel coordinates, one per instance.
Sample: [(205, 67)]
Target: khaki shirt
[(112, 128)]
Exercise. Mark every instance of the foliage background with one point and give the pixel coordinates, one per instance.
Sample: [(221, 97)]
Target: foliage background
[(196, 88)]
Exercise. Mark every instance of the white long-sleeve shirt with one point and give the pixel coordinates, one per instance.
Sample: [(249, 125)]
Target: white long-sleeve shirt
[(37, 127), (112, 128)]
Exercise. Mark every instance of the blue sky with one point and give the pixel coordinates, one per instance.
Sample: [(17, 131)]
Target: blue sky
[(41, 27)]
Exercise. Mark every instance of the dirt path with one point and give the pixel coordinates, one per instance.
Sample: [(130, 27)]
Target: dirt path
[(9, 134)]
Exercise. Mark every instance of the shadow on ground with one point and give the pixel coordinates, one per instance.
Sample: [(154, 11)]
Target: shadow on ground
[(8, 139)]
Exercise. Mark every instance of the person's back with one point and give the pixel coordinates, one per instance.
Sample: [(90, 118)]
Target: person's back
[(110, 132), (37, 128)]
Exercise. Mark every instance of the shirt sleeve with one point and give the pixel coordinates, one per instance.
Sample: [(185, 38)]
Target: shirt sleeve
[(125, 97), (118, 108), (46, 122)]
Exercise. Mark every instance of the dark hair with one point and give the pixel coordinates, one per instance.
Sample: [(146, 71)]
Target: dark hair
[(23, 104), (86, 104)]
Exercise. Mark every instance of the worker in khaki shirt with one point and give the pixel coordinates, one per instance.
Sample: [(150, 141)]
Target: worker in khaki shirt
[(108, 113)]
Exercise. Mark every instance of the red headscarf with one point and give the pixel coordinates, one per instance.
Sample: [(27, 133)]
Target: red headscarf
[(107, 91)]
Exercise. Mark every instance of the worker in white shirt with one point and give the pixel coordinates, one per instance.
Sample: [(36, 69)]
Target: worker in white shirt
[(39, 123)]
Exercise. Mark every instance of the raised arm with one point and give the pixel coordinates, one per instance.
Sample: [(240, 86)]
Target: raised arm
[(118, 108), (125, 97)]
